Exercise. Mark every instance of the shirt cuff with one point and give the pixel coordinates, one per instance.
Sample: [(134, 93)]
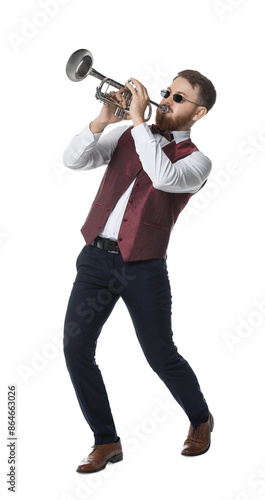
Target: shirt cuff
[(87, 137), (90, 135), (142, 134)]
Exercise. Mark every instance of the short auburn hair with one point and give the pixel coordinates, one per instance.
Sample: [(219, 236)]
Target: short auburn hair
[(207, 92)]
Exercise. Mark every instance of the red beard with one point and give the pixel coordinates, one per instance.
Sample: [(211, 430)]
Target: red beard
[(166, 122)]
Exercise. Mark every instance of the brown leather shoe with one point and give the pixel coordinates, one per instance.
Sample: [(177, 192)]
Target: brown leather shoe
[(199, 439), (100, 456)]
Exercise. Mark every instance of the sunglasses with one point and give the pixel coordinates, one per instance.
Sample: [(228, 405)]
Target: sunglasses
[(176, 97)]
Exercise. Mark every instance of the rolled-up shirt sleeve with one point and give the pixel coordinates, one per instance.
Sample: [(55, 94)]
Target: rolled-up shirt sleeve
[(183, 176), (87, 150)]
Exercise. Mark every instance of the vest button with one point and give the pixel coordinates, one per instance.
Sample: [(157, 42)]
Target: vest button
[(130, 201), (120, 239), (125, 220)]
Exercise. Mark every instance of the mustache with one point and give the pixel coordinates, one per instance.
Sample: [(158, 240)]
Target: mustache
[(169, 109)]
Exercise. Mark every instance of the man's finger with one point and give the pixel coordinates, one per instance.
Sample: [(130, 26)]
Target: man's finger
[(140, 88), (136, 82), (131, 88)]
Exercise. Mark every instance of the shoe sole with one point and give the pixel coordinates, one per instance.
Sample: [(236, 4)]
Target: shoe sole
[(201, 452), (113, 460)]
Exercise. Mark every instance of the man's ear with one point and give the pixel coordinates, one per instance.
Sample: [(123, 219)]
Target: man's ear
[(200, 113)]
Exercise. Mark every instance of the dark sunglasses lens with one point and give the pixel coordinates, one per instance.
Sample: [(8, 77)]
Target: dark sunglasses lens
[(177, 97), (165, 93)]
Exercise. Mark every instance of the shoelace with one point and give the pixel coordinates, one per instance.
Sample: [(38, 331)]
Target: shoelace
[(96, 446), (196, 433)]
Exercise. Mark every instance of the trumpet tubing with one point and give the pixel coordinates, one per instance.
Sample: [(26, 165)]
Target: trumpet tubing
[(80, 65)]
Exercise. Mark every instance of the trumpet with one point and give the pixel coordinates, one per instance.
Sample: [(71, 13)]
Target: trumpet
[(80, 65)]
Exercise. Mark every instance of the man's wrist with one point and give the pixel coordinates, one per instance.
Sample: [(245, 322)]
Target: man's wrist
[(138, 120), (97, 126)]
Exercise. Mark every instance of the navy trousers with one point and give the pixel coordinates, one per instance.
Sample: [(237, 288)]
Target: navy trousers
[(102, 278)]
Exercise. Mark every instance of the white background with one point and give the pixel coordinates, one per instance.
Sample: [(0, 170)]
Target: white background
[(215, 256)]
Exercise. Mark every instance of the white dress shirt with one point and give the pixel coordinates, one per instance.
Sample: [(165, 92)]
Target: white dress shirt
[(87, 151)]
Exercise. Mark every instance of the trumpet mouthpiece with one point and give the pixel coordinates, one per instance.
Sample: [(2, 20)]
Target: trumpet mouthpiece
[(165, 109)]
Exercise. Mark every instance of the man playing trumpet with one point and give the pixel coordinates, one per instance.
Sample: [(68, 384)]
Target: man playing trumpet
[(152, 173)]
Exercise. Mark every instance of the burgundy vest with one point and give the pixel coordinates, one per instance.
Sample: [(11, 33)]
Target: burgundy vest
[(150, 213)]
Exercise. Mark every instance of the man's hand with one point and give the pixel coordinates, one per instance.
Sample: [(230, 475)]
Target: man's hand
[(139, 102), (106, 115)]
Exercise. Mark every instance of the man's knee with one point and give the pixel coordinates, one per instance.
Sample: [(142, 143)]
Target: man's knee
[(157, 363), (71, 331), (162, 363)]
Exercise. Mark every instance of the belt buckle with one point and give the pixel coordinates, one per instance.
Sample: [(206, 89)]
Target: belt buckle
[(114, 251)]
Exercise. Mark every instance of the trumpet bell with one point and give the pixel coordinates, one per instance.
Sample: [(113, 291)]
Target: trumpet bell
[(79, 65)]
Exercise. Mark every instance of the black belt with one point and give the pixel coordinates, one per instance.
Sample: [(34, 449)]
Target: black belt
[(110, 246)]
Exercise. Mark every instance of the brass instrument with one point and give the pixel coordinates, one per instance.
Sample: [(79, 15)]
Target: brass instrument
[(79, 66)]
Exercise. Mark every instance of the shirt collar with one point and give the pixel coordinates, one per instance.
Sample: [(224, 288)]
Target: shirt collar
[(180, 135)]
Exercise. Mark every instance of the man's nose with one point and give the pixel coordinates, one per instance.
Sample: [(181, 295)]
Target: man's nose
[(167, 101)]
